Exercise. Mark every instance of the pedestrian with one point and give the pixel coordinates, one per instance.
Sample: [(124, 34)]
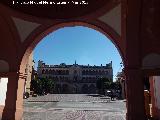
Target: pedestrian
[(112, 95)]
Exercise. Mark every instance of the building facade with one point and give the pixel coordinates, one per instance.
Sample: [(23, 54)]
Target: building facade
[(121, 78), (75, 78)]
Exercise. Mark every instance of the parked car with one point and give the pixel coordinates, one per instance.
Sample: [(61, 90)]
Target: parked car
[(34, 95), (111, 93)]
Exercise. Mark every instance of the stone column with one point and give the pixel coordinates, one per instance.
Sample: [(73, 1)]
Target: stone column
[(135, 95), (19, 102), (13, 109), (11, 96)]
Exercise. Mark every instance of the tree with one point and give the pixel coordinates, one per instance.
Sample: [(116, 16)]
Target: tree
[(107, 83), (102, 84), (35, 85), (50, 84), (42, 86), (115, 85)]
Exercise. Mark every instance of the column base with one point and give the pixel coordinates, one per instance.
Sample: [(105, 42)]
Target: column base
[(19, 114), (135, 116), (1, 111), (9, 115)]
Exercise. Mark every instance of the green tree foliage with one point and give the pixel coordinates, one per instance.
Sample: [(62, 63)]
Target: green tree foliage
[(50, 84), (42, 86), (115, 85), (107, 83), (34, 85), (102, 84)]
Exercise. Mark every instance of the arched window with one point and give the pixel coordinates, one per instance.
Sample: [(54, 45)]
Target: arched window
[(75, 71), (93, 72), (106, 72), (103, 72), (67, 72), (50, 71), (83, 72), (43, 71), (46, 72), (57, 78), (99, 72), (56, 72), (86, 72), (59, 72), (53, 72), (63, 72), (96, 72)]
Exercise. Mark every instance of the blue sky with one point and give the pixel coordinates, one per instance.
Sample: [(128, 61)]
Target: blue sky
[(83, 44)]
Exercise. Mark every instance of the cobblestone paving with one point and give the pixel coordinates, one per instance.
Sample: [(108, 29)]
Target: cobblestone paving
[(70, 97), (81, 107)]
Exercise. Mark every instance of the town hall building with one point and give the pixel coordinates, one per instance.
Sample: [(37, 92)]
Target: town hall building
[(75, 78)]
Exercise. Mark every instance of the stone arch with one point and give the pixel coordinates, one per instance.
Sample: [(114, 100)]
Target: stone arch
[(151, 61), (37, 35), (4, 66)]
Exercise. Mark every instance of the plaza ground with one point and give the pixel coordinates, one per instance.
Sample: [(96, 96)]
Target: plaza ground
[(73, 107)]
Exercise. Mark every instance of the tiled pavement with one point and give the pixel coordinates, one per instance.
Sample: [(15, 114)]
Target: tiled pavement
[(69, 97), (81, 107)]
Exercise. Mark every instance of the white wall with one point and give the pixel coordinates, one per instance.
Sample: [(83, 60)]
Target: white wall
[(3, 90), (157, 90)]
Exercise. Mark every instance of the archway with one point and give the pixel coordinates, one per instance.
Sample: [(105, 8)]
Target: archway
[(85, 90), (31, 42)]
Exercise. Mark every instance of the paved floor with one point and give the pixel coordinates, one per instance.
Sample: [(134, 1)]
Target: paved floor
[(73, 107)]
